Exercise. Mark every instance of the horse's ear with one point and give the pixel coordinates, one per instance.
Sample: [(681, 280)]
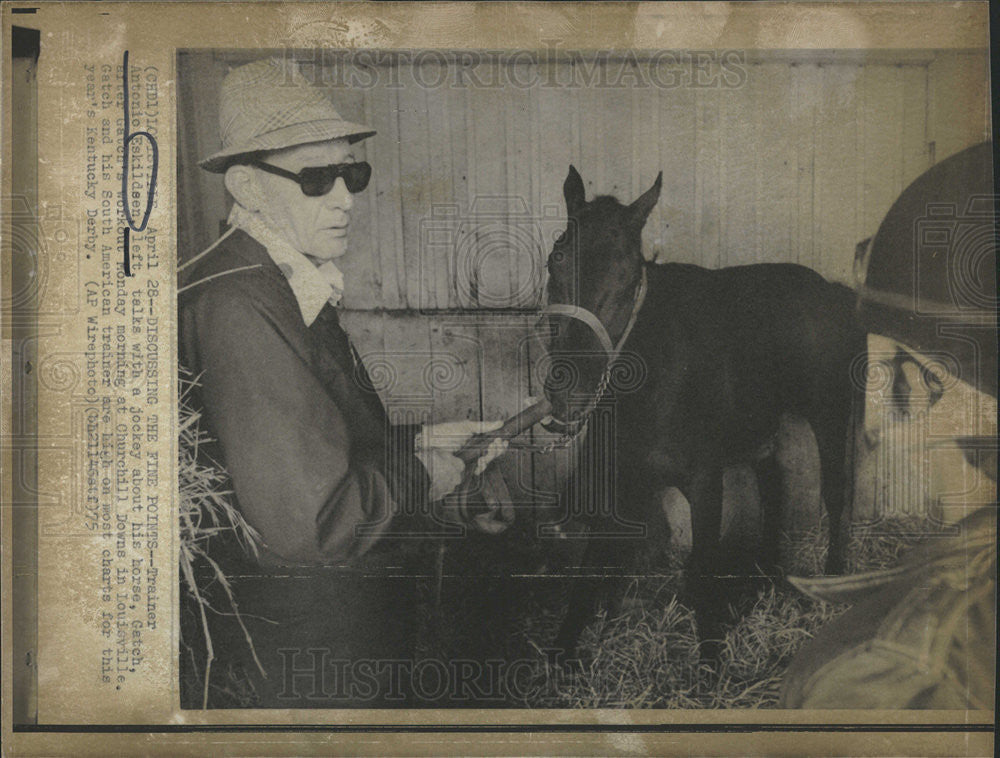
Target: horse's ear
[(639, 210), (573, 190)]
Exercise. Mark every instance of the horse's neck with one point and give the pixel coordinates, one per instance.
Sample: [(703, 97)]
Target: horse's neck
[(668, 276)]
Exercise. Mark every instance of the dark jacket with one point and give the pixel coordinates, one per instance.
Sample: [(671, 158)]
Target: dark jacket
[(316, 467), (319, 471), (921, 635)]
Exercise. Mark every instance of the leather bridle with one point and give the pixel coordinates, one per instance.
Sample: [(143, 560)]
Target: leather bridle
[(612, 350)]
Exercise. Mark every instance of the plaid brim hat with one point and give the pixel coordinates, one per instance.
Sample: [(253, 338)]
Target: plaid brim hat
[(270, 105)]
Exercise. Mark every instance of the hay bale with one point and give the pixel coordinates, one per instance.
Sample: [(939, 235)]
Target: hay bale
[(206, 512)]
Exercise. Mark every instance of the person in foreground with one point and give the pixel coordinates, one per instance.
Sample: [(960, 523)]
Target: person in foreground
[(335, 491), (923, 634)]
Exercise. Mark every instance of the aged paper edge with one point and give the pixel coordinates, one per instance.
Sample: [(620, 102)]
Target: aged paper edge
[(936, 25)]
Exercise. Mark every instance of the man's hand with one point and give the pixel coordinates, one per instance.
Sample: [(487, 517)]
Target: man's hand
[(495, 497), (436, 446)]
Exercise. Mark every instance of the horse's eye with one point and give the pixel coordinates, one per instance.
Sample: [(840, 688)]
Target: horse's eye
[(557, 257)]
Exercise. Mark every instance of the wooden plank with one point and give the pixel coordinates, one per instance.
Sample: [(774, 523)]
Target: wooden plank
[(576, 126), (860, 217), (414, 186), (880, 122), (557, 114), (457, 107), (440, 118), (518, 129), (754, 242), (803, 124), (640, 128), (408, 353), (836, 175), (612, 114), (916, 158), (394, 204), (384, 195), (959, 113), (503, 384), (778, 170), (739, 186), (494, 379), (708, 166), (592, 141), (515, 200), (463, 280), (332, 76), (676, 135), (455, 339), (489, 215), (761, 163), (898, 106), (645, 165)]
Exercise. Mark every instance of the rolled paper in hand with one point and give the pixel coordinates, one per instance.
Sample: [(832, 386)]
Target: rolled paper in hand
[(517, 424)]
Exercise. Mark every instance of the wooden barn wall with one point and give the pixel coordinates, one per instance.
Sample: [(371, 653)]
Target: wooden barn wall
[(798, 163)]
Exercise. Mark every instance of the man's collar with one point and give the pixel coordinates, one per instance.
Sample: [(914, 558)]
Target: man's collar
[(313, 286)]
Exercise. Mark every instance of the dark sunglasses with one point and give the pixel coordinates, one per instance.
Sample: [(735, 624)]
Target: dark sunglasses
[(318, 180)]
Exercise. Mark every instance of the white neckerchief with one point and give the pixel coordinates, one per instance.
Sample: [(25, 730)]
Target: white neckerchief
[(313, 286)]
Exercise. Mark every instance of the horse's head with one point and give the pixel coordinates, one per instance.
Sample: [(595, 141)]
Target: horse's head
[(595, 273)]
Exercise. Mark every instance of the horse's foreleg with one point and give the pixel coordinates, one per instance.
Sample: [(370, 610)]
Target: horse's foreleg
[(703, 589), (600, 584)]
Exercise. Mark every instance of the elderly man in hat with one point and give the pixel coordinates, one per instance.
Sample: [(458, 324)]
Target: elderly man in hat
[(316, 467), (923, 634)]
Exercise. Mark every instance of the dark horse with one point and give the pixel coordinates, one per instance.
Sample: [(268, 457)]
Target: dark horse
[(720, 355)]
